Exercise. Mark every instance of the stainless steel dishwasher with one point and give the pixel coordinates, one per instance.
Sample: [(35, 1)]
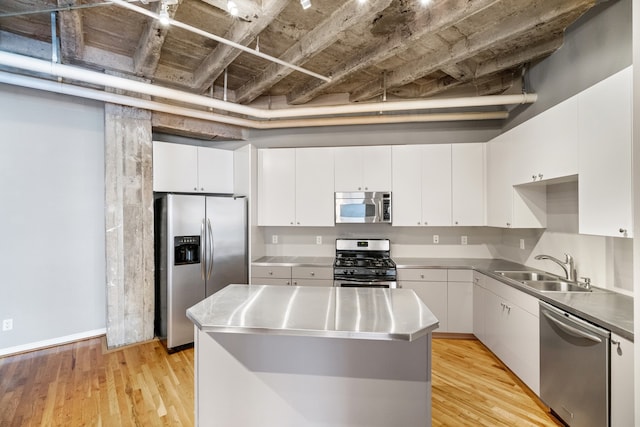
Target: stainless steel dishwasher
[(574, 368)]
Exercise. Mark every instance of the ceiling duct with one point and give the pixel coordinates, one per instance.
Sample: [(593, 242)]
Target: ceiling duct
[(357, 113)]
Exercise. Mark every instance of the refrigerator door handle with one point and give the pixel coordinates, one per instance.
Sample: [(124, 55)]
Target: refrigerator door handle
[(210, 244), (202, 236)]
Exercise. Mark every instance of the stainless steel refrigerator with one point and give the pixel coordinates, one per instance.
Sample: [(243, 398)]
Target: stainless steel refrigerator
[(201, 247)]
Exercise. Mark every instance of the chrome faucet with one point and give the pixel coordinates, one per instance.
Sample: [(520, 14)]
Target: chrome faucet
[(568, 265)]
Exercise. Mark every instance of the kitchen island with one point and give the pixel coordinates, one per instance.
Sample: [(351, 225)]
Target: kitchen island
[(312, 356)]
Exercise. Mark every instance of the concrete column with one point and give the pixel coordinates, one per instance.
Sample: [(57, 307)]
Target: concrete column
[(129, 225)]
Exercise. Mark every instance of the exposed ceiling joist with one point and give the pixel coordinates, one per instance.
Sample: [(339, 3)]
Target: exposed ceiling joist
[(517, 25), (147, 54), (323, 35)]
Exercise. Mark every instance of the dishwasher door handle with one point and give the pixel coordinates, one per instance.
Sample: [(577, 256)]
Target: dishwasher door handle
[(571, 330)]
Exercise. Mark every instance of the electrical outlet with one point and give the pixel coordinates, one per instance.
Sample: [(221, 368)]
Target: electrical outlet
[(274, 239), (463, 240), (7, 324), (521, 243), (318, 240), (436, 239)]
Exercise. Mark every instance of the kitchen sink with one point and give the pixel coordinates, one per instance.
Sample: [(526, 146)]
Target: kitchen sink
[(521, 276), (555, 286)]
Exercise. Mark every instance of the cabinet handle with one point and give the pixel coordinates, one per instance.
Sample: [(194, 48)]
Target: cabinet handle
[(533, 177), (288, 283), (623, 231), (617, 343), (359, 188), (201, 188), (195, 188), (313, 274), (291, 223), (298, 222), (271, 273), (508, 225), (366, 188), (456, 222), (418, 222), (295, 283), (422, 276), (540, 176)]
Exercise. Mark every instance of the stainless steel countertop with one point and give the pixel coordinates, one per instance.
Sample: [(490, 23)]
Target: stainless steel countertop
[(605, 308), (357, 313)]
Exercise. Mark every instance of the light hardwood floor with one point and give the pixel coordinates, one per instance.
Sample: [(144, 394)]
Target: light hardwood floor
[(83, 384)]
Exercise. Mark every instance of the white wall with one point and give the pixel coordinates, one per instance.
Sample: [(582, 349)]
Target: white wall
[(52, 257)]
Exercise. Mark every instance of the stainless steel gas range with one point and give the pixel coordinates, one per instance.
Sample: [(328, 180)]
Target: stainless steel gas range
[(364, 263)]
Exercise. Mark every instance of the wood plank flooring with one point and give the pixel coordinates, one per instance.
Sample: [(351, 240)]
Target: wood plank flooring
[(82, 384)]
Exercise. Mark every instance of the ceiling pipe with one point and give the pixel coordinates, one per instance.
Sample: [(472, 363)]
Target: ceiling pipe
[(99, 95), (101, 79)]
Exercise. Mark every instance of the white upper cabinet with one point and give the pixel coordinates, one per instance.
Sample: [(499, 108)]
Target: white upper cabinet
[(499, 185), (295, 187), (421, 185), (363, 168), (436, 184), (407, 185), (314, 187), (604, 157), (215, 170), (188, 169), (468, 184), (277, 187), (547, 144)]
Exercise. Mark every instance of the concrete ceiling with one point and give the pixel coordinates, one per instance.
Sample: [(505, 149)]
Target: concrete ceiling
[(399, 49)]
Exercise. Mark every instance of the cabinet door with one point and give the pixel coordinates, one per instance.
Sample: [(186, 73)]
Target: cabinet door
[(314, 187), (436, 184), (376, 168), (434, 296), (520, 345), (622, 392), (174, 167), (468, 184), (604, 159), (276, 186), (499, 187), (407, 188), (479, 311), (348, 169), (460, 307), (215, 170)]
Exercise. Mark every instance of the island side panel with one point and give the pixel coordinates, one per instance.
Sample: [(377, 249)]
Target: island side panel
[(271, 380)]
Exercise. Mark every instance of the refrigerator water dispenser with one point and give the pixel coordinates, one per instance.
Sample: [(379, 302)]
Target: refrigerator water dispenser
[(186, 249)]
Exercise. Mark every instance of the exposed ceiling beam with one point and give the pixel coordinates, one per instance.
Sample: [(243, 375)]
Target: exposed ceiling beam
[(247, 9), (241, 32), (322, 36), (147, 55), (509, 29), (485, 72), (71, 31), (435, 18), (189, 126)]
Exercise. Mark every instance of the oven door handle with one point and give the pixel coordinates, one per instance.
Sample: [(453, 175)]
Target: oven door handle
[(571, 330)]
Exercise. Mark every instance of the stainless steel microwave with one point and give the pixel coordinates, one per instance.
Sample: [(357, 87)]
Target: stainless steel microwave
[(363, 207)]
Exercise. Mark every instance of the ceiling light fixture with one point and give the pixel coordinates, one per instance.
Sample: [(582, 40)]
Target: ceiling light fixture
[(163, 16), (232, 8), (306, 4), (425, 2)]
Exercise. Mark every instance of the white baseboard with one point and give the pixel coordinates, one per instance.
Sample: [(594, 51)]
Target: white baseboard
[(54, 341)]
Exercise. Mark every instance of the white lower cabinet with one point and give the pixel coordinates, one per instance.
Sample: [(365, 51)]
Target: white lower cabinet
[(447, 293), (312, 276), (292, 276), (479, 308), (431, 286), (622, 370), (511, 329)]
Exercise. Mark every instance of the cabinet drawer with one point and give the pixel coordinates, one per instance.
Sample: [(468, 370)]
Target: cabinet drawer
[(523, 300), (460, 275), (275, 272), (426, 274), (270, 281), (313, 282), (312, 273)]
